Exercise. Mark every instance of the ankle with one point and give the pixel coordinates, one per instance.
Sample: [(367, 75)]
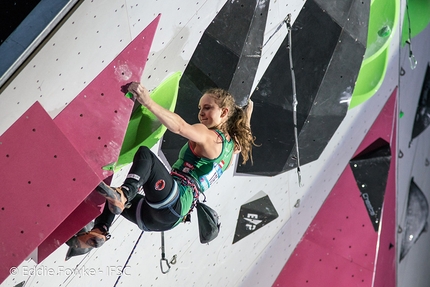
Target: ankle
[(125, 190)]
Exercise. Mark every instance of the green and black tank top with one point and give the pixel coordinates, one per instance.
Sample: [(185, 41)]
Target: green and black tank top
[(205, 171)]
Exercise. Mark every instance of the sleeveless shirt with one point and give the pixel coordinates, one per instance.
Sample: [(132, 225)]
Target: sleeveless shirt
[(205, 171)]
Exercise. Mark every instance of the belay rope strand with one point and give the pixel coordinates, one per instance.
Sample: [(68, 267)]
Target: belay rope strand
[(295, 102), (128, 259)]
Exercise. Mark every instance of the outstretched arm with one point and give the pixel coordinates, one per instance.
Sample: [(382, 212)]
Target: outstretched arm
[(197, 133)]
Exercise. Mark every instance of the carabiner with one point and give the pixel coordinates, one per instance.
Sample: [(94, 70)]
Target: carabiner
[(161, 265)]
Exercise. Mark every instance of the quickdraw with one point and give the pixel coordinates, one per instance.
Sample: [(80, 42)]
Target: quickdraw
[(295, 102)]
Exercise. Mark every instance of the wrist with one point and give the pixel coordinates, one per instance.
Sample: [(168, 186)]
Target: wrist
[(149, 103)]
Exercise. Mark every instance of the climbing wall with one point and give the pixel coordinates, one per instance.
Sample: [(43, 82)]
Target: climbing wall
[(413, 160), (267, 219)]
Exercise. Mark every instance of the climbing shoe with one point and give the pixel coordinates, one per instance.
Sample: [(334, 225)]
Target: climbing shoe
[(91, 239), (115, 197)]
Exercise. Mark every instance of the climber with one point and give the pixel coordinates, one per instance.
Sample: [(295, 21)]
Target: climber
[(224, 130)]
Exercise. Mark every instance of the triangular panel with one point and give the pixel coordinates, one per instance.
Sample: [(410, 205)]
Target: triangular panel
[(365, 168), (96, 120), (253, 215)]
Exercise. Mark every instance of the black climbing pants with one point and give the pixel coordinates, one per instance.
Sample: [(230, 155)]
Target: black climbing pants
[(149, 172)]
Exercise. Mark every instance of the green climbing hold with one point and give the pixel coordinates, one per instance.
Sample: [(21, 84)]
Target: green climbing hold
[(144, 129), (384, 31)]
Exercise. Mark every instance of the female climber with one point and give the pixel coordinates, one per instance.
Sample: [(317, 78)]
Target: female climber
[(224, 130)]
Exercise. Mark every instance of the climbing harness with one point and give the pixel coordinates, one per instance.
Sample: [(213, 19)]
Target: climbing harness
[(191, 182), (295, 102)]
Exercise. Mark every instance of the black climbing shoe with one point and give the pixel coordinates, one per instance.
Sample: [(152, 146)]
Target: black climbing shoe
[(115, 197)]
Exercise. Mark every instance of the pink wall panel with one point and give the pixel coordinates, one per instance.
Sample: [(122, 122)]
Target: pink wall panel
[(385, 272), (340, 247), (96, 120), (342, 225), (313, 265), (45, 179), (89, 208)]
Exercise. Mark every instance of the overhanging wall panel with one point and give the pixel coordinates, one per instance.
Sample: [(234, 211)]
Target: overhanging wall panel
[(46, 180)]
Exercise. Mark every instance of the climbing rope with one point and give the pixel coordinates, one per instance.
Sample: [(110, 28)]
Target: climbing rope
[(295, 102), (287, 21), (413, 62), (128, 259)]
